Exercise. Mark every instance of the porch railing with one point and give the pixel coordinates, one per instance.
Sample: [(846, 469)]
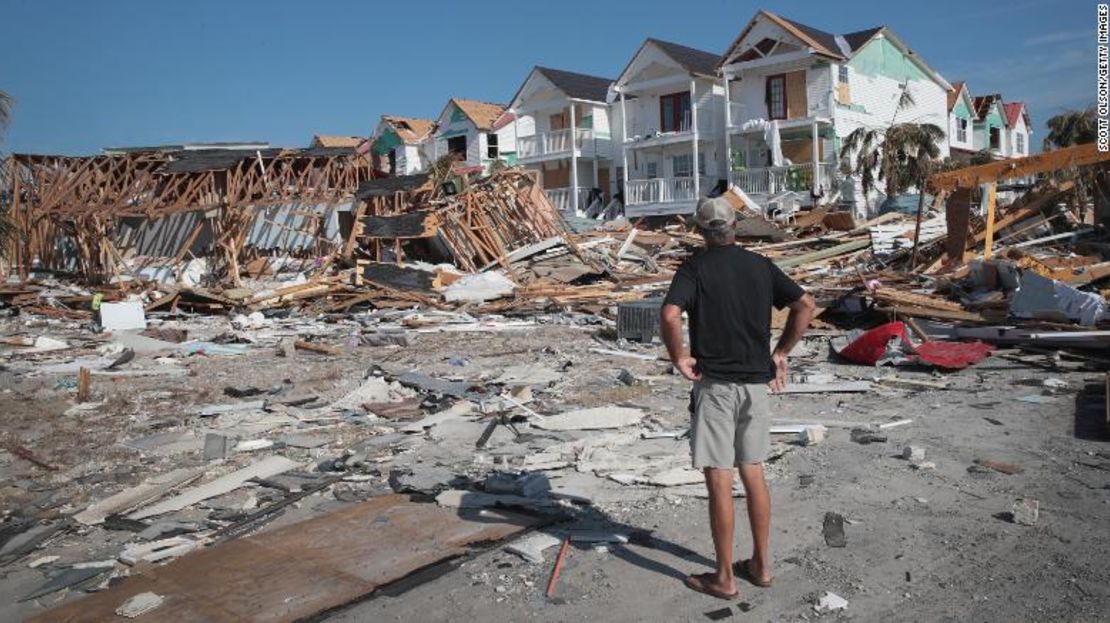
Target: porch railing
[(771, 180), (560, 198), (647, 129), (554, 142), (665, 190)]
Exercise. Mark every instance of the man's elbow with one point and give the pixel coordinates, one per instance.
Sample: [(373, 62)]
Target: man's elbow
[(670, 314), (804, 304)]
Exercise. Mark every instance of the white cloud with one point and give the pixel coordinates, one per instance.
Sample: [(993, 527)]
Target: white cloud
[(1060, 36)]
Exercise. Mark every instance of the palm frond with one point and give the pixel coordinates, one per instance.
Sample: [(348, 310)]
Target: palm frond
[(6, 104)]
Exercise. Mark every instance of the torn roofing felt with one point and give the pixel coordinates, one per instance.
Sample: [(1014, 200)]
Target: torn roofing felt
[(198, 160), (386, 186)]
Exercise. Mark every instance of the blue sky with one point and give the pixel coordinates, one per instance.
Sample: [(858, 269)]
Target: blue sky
[(125, 72)]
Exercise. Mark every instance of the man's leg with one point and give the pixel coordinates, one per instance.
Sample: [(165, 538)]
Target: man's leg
[(722, 523), (759, 515)]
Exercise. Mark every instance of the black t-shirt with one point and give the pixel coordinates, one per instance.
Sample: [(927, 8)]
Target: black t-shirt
[(727, 293)]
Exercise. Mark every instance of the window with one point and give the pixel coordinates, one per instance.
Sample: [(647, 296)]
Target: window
[(683, 165), (393, 161), (1019, 143), (996, 138), (776, 96), (491, 146), (961, 130), (652, 170), (674, 112), (843, 90), (456, 146)]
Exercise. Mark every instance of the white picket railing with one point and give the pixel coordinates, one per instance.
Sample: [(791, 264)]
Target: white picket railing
[(555, 142), (560, 198), (771, 180), (665, 190), (649, 128)]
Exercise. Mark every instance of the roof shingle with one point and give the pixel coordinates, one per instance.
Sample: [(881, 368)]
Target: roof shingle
[(576, 85), (1013, 111), (692, 60)]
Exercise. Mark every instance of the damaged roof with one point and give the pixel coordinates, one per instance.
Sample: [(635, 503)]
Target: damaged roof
[(483, 114), (196, 161), (983, 104), (410, 129), (329, 140), (576, 85), (386, 186)]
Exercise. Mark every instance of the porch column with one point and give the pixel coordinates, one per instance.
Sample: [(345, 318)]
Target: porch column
[(816, 156), (694, 122), (573, 163), (728, 130), (624, 148), (516, 135), (596, 165)]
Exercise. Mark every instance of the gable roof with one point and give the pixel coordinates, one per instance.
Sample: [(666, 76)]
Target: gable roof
[(858, 39), (410, 129), (838, 47), (983, 104), (482, 114), (576, 85), (825, 41), (328, 140), (822, 42), (692, 60), (954, 93), (1013, 110)]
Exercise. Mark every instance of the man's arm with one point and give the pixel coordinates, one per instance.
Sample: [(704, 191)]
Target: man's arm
[(670, 325), (801, 312)]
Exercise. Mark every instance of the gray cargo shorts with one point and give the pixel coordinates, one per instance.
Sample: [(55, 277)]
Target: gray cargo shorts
[(731, 423)]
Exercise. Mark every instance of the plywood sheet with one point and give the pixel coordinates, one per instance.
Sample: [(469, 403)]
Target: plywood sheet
[(304, 568)]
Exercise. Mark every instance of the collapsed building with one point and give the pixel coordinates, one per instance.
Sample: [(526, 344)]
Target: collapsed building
[(289, 346)]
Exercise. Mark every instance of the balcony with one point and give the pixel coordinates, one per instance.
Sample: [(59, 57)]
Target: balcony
[(560, 198), (557, 144), (768, 181), (648, 134), (664, 195)]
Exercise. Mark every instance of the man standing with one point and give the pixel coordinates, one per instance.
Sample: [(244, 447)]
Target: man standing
[(727, 293)]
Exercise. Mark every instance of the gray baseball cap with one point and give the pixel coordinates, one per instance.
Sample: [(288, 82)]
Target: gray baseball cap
[(716, 213)]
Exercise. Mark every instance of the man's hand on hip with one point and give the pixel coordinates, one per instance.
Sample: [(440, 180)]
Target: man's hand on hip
[(688, 367), (778, 383)]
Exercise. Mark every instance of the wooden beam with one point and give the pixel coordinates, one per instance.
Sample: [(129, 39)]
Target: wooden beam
[(994, 172), (988, 240)]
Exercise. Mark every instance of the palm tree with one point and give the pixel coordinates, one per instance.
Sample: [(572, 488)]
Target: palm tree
[(7, 228), (1079, 127), (900, 156), (1074, 127), (6, 102)]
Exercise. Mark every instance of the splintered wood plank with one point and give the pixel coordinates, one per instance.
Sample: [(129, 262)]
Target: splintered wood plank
[(302, 569)]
